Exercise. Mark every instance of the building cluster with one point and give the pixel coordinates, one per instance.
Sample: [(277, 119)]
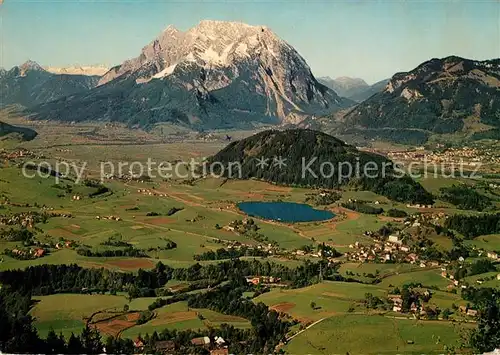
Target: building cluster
[(421, 219), (492, 255), (236, 245), (38, 249), (110, 218), (415, 308), (64, 244), (419, 305), (397, 247), (263, 280), (147, 192), (30, 218), (241, 226), (392, 250), (457, 283), (213, 346), (454, 283), (23, 219), (31, 253), (268, 248), (464, 155), (325, 253), (19, 154), (418, 205), (314, 254), (468, 311)]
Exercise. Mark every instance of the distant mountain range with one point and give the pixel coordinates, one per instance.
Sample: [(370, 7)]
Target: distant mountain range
[(29, 84), (353, 88), (215, 75), (449, 95), (92, 70), (231, 75)]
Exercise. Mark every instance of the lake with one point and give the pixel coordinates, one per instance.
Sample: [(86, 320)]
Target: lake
[(284, 211)]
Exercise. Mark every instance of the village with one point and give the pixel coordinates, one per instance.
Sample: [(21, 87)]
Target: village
[(467, 156)]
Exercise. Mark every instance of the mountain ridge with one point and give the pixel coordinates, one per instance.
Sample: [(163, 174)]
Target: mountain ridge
[(434, 98), (355, 89), (217, 74), (30, 84), (90, 70)]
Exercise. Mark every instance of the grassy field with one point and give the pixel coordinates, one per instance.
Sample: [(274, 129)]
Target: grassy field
[(204, 203), (179, 316), (486, 242), (192, 228), (361, 270), (428, 278), (360, 334), (330, 298), (66, 313), (346, 326)]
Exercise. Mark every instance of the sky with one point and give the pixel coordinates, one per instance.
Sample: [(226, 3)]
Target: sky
[(370, 39)]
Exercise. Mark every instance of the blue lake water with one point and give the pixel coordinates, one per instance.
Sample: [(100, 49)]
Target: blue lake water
[(284, 211)]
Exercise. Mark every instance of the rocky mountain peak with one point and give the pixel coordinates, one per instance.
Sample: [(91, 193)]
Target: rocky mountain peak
[(349, 82), (30, 65), (170, 29), (210, 43), (214, 74), (353, 88)]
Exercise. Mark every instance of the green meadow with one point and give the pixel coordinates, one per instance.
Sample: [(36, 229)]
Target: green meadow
[(361, 334)]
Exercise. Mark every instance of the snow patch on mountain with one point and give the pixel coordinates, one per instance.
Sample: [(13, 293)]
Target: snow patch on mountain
[(165, 72), (91, 70)]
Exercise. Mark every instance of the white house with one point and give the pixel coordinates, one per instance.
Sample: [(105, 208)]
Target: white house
[(395, 239), (492, 255)]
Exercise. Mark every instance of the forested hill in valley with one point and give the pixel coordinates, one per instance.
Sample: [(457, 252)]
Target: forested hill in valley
[(29, 84), (448, 95), (215, 75), (316, 159), (26, 134)]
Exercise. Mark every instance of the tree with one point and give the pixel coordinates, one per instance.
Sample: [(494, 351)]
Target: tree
[(17, 334), (55, 344), (119, 346), (91, 340), (446, 313), (487, 335), (74, 345)]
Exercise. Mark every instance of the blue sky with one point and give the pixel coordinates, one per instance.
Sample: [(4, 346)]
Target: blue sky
[(364, 38)]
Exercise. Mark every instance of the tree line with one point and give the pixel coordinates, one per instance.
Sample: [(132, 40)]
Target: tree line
[(362, 207), (50, 279), (222, 254), (474, 226), (465, 198)]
